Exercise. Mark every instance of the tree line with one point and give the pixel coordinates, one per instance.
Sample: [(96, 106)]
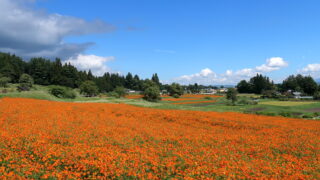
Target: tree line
[(46, 72), (260, 84)]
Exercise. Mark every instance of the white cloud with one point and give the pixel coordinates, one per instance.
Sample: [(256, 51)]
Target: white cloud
[(209, 77), (206, 72), (96, 64), (229, 73), (28, 32), (272, 64), (312, 70)]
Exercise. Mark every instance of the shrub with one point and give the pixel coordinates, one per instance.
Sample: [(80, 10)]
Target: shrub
[(175, 96), (62, 92), (89, 88), (307, 116), (152, 94), (119, 91), (270, 94), (316, 114), (285, 114), (175, 90), (266, 113), (25, 82), (232, 95), (247, 102), (208, 98), (316, 96), (4, 81)]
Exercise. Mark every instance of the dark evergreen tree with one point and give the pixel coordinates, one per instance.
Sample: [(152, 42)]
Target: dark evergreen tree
[(244, 87), (137, 83), (155, 79), (39, 70), (129, 82), (56, 72)]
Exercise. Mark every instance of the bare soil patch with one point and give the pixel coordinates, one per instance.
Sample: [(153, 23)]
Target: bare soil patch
[(312, 110)]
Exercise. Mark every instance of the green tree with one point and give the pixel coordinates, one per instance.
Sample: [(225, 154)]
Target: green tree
[(305, 84), (25, 82), (232, 95), (260, 83), (194, 88), (129, 81), (244, 87), (290, 83), (70, 77), (90, 76), (119, 91), (155, 79), (316, 95), (62, 92), (308, 85), (39, 70), (137, 83), (56, 70), (4, 81), (152, 93), (175, 90), (89, 88)]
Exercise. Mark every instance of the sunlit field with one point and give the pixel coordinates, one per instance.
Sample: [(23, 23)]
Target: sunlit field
[(287, 103), (46, 139)]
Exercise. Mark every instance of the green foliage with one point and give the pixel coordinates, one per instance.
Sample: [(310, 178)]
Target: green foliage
[(270, 94), (316, 95), (245, 101), (119, 92), (155, 79), (305, 84), (151, 92), (113, 94), (232, 95), (257, 84), (47, 72), (89, 89), (175, 96), (194, 89), (208, 98), (62, 92), (244, 87), (25, 82), (4, 81), (129, 83), (286, 114), (260, 83), (175, 90)]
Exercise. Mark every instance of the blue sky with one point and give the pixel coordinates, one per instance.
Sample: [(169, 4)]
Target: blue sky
[(205, 41)]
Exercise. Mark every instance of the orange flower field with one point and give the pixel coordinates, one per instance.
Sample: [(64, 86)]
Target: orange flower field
[(44, 139)]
